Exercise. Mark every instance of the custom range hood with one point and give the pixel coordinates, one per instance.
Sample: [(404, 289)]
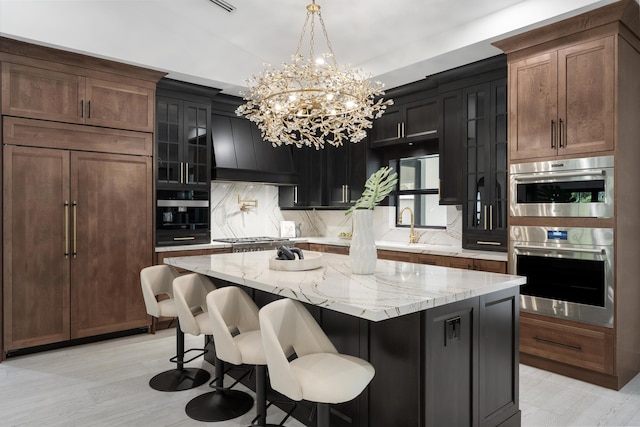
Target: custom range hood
[(240, 154)]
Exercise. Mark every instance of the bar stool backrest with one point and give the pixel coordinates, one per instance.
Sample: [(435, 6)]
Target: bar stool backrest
[(286, 324), (231, 309), (190, 294), (157, 280)]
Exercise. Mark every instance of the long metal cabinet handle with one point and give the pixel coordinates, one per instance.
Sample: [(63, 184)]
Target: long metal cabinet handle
[(553, 175), (295, 194), (82, 108), (553, 134), (483, 242), (560, 249), (561, 344), (66, 229), (403, 134), (181, 172), (184, 238), (89, 109), (186, 172), (75, 228), (490, 217), (560, 133), (485, 217), (399, 132)]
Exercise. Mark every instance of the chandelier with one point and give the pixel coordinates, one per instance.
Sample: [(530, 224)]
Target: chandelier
[(312, 102)]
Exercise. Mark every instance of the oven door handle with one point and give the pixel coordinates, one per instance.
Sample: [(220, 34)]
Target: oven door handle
[(560, 249), (553, 175)]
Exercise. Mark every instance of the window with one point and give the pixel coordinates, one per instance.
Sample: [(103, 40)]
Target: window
[(418, 182)]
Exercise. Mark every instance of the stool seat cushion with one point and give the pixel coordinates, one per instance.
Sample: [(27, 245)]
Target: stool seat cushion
[(167, 308), (331, 377), (250, 346)]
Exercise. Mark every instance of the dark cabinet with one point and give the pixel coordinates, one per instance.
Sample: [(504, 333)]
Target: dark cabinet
[(485, 205), (450, 133), (347, 169), (406, 123), (334, 176), (183, 147)]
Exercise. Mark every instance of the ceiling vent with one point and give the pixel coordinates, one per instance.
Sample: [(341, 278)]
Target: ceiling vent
[(224, 5)]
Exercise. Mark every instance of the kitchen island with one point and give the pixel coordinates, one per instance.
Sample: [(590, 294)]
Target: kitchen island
[(444, 341)]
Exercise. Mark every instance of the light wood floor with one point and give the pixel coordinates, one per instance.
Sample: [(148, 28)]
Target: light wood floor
[(106, 384)]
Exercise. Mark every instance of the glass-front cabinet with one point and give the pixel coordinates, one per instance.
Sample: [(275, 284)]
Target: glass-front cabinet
[(485, 207), (183, 144)]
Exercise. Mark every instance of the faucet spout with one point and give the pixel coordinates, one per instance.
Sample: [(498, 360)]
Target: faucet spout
[(412, 235)]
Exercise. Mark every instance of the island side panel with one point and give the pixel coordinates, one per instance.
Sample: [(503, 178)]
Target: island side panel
[(499, 358)]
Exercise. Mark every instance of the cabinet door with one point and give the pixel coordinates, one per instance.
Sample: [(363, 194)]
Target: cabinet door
[(386, 129), (36, 246), (112, 241), (309, 163), (119, 105), (450, 149), (586, 93), (533, 104), (170, 172), (337, 161), (420, 120), (42, 94), (197, 145)]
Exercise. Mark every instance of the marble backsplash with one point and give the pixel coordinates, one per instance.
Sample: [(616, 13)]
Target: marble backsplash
[(227, 220)]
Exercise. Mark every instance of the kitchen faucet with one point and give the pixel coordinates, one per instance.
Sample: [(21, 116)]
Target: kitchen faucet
[(412, 235)]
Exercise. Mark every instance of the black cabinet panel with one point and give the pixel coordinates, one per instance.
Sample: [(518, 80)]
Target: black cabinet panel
[(450, 148), (406, 122)]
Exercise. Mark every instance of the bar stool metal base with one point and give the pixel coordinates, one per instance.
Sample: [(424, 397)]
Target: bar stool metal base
[(179, 379), (219, 405)]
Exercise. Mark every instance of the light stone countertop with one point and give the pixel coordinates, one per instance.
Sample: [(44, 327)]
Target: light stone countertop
[(383, 244), (395, 289), (414, 247)]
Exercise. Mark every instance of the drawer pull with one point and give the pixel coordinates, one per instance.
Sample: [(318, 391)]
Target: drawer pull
[(573, 347)]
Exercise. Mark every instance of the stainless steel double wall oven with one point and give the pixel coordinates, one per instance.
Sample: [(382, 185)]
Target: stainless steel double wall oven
[(569, 269)]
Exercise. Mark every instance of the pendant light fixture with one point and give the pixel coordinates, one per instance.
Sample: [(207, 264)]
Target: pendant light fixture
[(312, 101)]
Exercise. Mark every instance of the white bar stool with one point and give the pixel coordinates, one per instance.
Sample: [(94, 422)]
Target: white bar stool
[(236, 332), (319, 373), (223, 404), (158, 280)]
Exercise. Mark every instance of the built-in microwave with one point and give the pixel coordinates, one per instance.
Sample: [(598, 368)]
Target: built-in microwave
[(580, 187), (182, 217)]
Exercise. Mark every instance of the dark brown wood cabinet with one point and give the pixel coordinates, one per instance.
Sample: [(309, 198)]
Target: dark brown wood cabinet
[(53, 91), (562, 101), (71, 220), (77, 182)]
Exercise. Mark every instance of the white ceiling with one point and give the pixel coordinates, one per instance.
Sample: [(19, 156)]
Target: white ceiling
[(397, 41)]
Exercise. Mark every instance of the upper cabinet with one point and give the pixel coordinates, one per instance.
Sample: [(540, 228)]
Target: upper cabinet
[(562, 101), (183, 144), (57, 92), (485, 207), (404, 123)]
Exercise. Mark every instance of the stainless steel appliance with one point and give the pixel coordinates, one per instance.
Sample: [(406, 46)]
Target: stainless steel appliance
[(563, 188), (252, 244), (182, 217), (569, 272)]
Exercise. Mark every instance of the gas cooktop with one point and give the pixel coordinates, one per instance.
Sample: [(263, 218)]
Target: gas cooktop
[(261, 239)]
